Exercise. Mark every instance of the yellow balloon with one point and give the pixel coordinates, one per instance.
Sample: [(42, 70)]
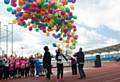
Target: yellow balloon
[(72, 7), (34, 26), (14, 21), (50, 15), (55, 1), (62, 8), (54, 28), (48, 34), (58, 46), (59, 5)]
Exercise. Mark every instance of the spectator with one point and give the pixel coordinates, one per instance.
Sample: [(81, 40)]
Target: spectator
[(2, 65), (32, 65), (74, 65)]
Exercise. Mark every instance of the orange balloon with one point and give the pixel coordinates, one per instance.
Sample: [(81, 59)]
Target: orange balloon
[(19, 22), (18, 9), (67, 45), (21, 2), (38, 1), (70, 24), (65, 2), (67, 41), (71, 21), (28, 23), (25, 15), (66, 15)]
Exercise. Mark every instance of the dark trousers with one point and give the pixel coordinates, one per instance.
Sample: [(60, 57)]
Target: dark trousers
[(1, 73), (59, 70), (74, 69), (17, 72), (22, 72), (32, 71), (48, 74), (6, 73), (81, 71), (11, 72), (27, 71)]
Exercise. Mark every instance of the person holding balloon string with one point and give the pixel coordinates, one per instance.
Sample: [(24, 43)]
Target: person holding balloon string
[(59, 59)]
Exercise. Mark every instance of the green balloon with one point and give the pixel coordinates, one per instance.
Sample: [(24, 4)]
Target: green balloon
[(69, 28), (54, 7), (37, 23), (59, 17), (59, 22), (46, 6), (64, 35), (21, 7), (37, 29), (67, 9), (74, 17), (62, 30), (9, 9), (49, 27), (73, 44), (25, 26)]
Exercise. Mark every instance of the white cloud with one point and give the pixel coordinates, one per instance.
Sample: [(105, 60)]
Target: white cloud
[(90, 39), (96, 12)]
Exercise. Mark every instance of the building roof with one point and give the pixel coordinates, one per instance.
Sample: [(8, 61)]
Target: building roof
[(104, 49)]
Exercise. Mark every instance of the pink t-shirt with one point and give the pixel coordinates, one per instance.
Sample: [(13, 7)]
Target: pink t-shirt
[(17, 64), (22, 64)]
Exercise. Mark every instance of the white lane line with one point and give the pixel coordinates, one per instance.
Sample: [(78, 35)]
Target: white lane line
[(112, 80)]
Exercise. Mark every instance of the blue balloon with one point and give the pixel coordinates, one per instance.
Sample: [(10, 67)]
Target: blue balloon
[(65, 22), (69, 0), (54, 45), (32, 21), (31, 0), (6, 1), (69, 18), (14, 11), (27, 5), (57, 36), (20, 14)]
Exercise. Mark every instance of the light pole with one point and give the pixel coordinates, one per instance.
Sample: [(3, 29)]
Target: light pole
[(6, 39), (12, 39), (0, 39)]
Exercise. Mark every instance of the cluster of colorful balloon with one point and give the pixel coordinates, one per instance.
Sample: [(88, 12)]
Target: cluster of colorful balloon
[(50, 16)]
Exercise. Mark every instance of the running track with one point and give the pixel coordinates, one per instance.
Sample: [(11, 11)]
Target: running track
[(109, 72)]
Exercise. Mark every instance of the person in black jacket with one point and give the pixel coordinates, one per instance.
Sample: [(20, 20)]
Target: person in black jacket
[(80, 60), (47, 62), (2, 65), (59, 59)]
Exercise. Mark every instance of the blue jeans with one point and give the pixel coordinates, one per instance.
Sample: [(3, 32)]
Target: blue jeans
[(81, 71)]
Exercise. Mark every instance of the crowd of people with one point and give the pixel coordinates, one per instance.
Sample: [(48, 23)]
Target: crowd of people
[(20, 67)]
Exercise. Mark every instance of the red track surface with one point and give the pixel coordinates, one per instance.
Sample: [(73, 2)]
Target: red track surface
[(109, 72)]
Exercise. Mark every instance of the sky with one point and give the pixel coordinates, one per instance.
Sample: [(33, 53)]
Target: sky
[(98, 25)]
